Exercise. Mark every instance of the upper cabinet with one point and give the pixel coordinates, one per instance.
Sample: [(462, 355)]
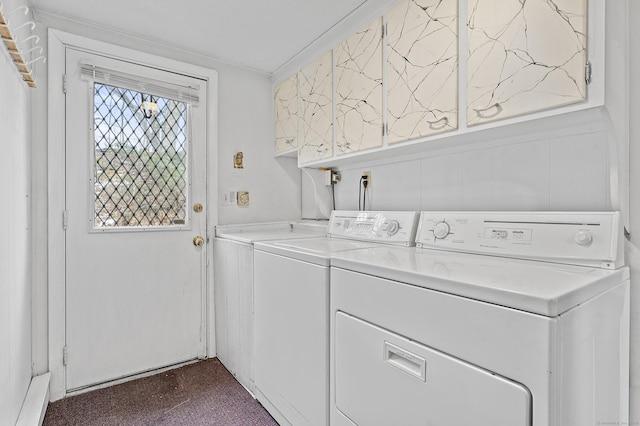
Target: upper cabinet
[(422, 68), (286, 112), (359, 90), (524, 56), (316, 110)]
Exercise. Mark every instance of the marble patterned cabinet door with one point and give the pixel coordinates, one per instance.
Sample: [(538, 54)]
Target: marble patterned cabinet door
[(316, 110), (422, 68), (286, 110), (359, 90), (524, 56)]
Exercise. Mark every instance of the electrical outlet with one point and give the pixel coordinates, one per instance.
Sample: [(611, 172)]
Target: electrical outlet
[(366, 176)]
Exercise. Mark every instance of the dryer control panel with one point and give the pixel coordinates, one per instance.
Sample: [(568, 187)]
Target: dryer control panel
[(397, 227), (588, 238)]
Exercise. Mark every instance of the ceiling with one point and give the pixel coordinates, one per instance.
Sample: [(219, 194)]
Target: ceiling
[(259, 34)]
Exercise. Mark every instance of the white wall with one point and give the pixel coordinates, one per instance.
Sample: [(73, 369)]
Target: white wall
[(246, 125), (15, 257), (634, 246), (537, 171)]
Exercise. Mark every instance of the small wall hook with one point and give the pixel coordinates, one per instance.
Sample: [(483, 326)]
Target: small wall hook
[(28, 38), (30, 23), (26, 52), (36, 60), (25, 8)]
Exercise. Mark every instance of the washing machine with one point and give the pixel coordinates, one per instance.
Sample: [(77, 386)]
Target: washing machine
[(495, 318), (233, 287), (291, 303)]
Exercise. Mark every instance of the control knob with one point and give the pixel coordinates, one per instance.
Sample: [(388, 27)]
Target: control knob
[(583, 238), (441, 230), (393, 227)]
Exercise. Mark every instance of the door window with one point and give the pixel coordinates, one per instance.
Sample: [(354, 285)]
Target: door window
[(141, 157)]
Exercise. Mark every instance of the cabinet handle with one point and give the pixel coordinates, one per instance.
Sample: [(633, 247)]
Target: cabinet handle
[(480, 112), (444, 120)]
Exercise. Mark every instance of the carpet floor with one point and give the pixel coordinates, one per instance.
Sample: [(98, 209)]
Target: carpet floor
[(203, 393)]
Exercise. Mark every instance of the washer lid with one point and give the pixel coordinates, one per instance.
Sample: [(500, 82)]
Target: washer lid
[(250, 233), (251, 237), (542, 288), (313, 250)]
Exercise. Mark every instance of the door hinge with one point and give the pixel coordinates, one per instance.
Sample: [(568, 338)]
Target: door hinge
[(587, 72), (65, 220), (65, 356), (65, 83), (384, 30), (385, 129)]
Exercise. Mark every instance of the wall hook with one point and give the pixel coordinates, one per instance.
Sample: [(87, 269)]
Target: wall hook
[(36, 60), (25, 8), (30, 23), (28, 38), (26, 52)]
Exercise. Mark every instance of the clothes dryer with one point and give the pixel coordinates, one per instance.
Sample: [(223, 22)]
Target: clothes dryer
[(502, 319)]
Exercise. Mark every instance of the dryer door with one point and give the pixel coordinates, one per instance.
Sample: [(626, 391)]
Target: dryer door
[(383, 379)]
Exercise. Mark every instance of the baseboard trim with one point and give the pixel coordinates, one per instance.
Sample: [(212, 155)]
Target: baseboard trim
[(36, 402)]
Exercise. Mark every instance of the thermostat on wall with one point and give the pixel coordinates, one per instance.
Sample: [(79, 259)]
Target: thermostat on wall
[(243, 198)]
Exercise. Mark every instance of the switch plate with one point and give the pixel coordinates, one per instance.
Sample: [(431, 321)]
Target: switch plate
[(229, 198)]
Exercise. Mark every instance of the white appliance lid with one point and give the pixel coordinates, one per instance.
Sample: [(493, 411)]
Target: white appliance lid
[(268, 235), (312, 250), (542, 288), (251, 233)]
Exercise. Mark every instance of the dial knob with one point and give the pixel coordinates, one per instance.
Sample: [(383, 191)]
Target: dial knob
[(583, 238), (393, 227), (441, 230)]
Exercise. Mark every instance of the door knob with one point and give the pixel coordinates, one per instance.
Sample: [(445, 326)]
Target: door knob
[(198, 241)]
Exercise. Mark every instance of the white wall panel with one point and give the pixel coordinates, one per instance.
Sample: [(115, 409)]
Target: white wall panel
[(400, 186), (246, 125), (578, 167), (477, 180), (441, 182), (534, 173), (633, 246), (521, 176), (15, 258)]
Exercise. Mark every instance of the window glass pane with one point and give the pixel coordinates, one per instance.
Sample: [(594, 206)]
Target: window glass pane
[(140, 159)]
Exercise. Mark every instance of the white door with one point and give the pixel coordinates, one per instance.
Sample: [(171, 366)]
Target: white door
[(135, 177)]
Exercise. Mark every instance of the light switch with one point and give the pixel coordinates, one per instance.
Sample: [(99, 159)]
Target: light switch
[(229, 198)]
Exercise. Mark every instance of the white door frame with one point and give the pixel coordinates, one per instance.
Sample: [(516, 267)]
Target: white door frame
[(58, 42)]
